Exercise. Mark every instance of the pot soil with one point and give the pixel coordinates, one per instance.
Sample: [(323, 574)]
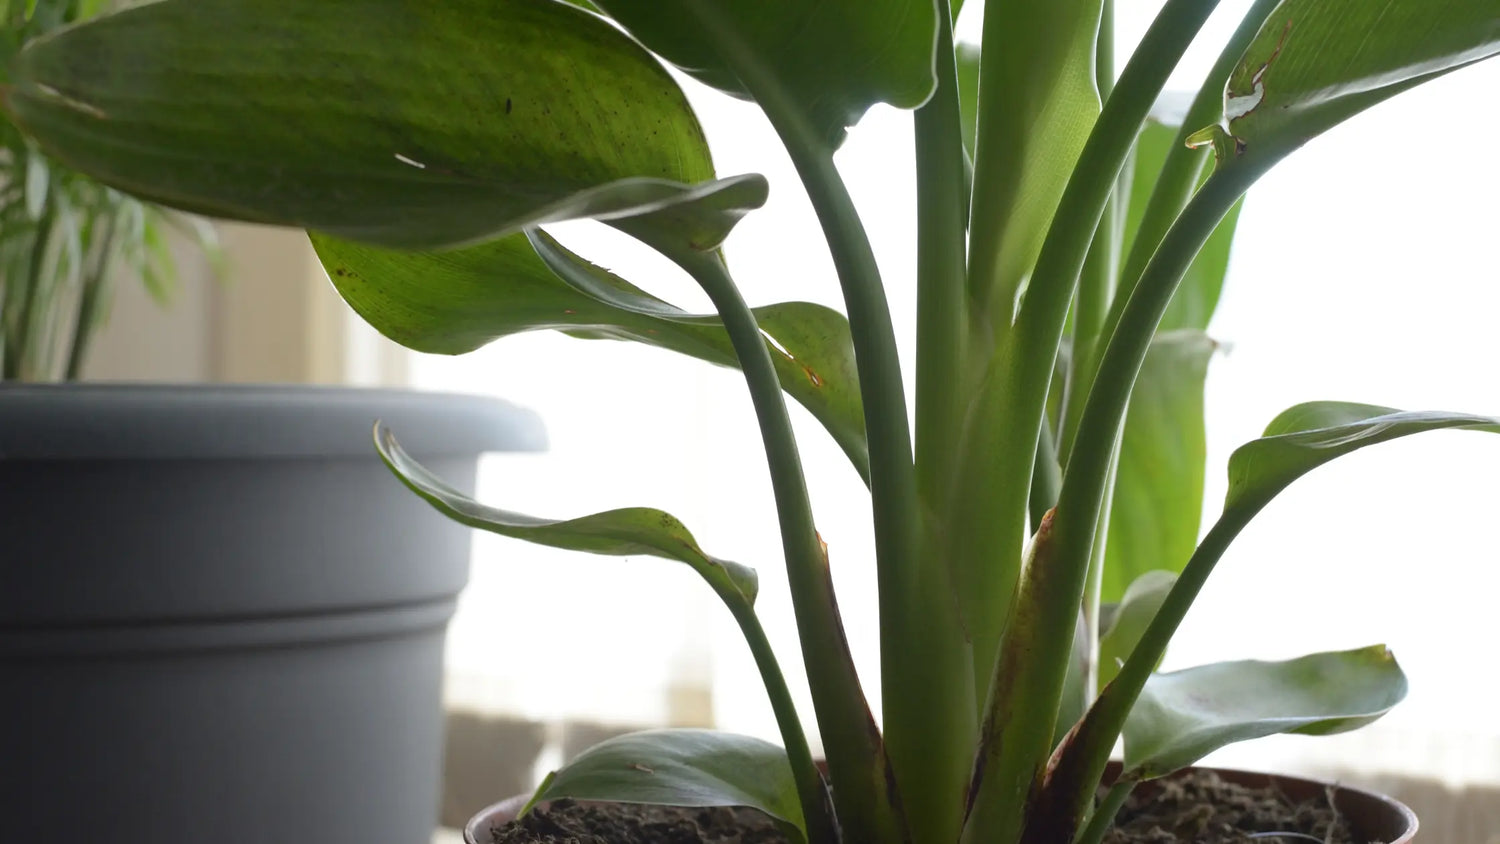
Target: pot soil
[(221, 616), (1197, 806)]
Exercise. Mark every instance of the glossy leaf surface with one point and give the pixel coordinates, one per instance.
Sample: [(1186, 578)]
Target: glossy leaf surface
[(406, 124), (1036, 104), (1128, 620), (1185, 715), (627, 532), (681, 767), (458, 300), (833, 58), (1308, 435), (1158, 496), (1315, 63)]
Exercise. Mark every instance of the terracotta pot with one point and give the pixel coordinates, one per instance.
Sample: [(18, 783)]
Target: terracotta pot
[(1374, 817)]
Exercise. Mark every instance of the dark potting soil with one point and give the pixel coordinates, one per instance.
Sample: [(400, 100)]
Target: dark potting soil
[(1199, 808), (570, 822)]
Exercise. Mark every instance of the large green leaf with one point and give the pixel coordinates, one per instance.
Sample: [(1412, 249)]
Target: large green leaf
[(1124, 624), (681, 767), (627, 532), (407, 124), (833, 59), (1315, 63), (1185, 715), (455, 301), (1308, 435), (1158, 496), (1197, 295), (1037, 100)]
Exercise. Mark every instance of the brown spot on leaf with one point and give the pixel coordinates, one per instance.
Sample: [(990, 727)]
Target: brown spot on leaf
[(817, 381)]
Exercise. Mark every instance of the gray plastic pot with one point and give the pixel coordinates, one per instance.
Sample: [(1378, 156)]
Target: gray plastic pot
[(220, 615), (1373, 817)]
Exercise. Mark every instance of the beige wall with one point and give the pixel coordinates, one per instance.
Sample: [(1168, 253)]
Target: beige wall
[(273, 318)]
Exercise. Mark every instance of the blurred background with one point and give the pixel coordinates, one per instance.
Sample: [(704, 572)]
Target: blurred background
[(1366, 268)]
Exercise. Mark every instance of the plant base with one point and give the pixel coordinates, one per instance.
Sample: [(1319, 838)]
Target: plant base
[(1175, 806)]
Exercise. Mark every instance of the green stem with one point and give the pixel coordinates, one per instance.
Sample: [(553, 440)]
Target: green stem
[(18, 341), (91, 299), (1183, 166), (893, 485), (1094, 586), (1032, 659), (1104, 51), (930, 720), (1046, 478), (942, 321), (1104, 816), (1084, 483), (1173, 188), (1095, 290), (811, 791), (856, 761)]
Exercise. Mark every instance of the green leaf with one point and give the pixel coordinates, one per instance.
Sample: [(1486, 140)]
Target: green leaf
[(456, 301), (1185, 715), (1308, 435), (1122, 626), (833, 59), (1197, 296), (1315, 63), (621, 533), (1158, 496), (681, 767), (1037, 101), (416, 125)]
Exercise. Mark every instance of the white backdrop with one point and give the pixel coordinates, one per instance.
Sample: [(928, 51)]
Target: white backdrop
[(1365, 270)]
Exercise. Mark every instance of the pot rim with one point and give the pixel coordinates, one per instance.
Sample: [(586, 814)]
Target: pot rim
[(505, 810), (235, 421)]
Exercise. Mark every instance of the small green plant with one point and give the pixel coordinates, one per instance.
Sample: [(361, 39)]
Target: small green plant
[(64, 236), (1036, 547)]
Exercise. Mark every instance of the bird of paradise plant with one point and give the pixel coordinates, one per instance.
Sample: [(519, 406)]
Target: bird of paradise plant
[(1070, 249)]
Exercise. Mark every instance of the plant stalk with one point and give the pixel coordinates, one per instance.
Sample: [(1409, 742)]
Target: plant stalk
[(942, 307), (1104, 815), (893, 484), (1084, 482), (856, 760), (1094, 586), (930, 720), (1032, 658), (817, 812), (1046, 478), (1173, 188), (1180, 172)]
